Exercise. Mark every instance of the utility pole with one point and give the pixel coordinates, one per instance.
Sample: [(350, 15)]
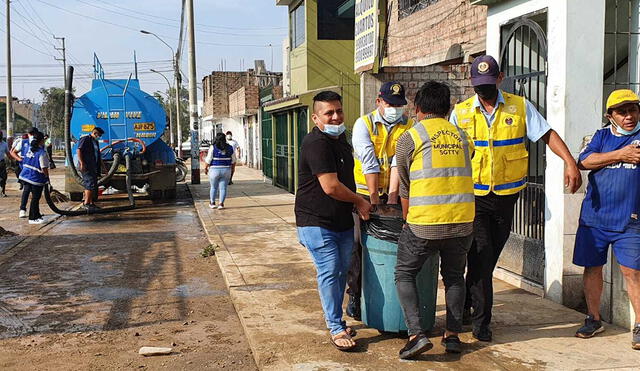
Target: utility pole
[(193, 97), (178, 84), (63, 59), (9, 103)]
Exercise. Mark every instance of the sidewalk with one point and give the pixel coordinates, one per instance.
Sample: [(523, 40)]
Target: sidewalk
[(271, 280)]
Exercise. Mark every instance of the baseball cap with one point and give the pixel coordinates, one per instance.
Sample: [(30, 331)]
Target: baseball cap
[(392, 92), (621, 96), (484, 71)]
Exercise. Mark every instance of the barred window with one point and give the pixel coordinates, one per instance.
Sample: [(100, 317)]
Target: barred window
[(408, 7)]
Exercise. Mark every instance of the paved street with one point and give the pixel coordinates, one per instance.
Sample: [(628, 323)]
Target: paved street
[(272, 286), (86, 293)]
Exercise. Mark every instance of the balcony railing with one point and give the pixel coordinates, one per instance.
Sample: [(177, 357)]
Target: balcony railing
[(408, 7)]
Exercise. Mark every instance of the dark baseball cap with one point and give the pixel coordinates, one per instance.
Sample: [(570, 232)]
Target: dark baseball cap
[(392, 92), (484, 71)]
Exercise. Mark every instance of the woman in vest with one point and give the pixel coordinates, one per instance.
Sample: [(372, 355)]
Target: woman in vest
[(34, 176), (220, 158)]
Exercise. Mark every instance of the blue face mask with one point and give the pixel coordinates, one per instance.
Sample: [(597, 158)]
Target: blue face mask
[(626, 132), (334, 130)]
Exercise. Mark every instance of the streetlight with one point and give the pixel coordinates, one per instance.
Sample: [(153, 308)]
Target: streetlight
[(176, 73), (170, 113)]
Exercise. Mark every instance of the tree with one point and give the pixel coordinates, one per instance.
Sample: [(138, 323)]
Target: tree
[(184, 108), (51, 113)]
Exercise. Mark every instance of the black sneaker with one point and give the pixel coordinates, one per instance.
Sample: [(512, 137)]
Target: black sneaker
[(418, 345), (230, 182), (353, 307), (590, 329), (635, 341), (452, 344), (483, 334)]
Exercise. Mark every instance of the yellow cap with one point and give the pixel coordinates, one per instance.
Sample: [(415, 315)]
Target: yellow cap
[(620, 97)]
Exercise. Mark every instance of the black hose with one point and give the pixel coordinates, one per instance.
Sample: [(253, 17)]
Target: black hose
[(132, 200), (68, 106)]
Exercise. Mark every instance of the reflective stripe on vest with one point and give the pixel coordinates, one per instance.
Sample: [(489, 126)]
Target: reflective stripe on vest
[(31, 171), (500, 163), (441, 185), (221, 159), (384, 145)]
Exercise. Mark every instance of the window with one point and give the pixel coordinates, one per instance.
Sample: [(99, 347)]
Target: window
[(296, 18), (408, 7), (336, 19)]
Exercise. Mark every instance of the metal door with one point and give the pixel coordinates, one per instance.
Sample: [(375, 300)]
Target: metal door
[(302, 127), (267, 145), (523, 60), (282, 151)]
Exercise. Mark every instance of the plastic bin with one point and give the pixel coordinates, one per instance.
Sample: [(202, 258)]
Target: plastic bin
[(379, 301)]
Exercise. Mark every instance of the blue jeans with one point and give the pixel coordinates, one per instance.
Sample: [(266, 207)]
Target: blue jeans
[(331, 253), (219, 179)]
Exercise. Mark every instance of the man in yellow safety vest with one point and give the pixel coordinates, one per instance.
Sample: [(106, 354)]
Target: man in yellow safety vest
[(436, 191), (498, 123), (374, 142)]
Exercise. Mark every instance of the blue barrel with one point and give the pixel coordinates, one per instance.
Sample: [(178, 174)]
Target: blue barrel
[(379, 302)]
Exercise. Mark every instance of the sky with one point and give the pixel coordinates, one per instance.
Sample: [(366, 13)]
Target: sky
[(234, 31)]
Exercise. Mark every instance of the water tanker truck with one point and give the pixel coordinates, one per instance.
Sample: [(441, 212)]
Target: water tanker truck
[(132, 148)]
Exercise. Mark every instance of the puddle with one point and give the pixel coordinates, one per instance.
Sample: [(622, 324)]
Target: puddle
[(197, 287)]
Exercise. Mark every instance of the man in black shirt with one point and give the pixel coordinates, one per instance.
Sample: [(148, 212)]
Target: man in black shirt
[(324, 201), (89, 162)]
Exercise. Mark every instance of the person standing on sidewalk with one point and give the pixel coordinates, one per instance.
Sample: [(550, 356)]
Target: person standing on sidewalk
[(374, 142), (324, 201), (4, 160), (610, 210), (436, 192), (236, 152), (220, 158), (498, 123), (89, 164), (18, 152), (35, 175)]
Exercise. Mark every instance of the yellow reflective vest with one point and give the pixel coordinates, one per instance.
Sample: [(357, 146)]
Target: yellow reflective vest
[(440, 182), (384, 144), (501, 160)]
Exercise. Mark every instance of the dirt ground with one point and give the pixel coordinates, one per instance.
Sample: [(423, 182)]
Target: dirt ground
[(87, 292)]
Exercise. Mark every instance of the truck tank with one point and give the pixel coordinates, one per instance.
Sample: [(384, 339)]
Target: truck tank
[(134, 123)]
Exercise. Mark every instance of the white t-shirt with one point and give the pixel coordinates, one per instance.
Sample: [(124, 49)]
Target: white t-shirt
[(233, 144)]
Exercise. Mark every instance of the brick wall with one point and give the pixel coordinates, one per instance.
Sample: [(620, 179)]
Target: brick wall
[(244, 101), (218, 86), (455, 75), (425, 37)]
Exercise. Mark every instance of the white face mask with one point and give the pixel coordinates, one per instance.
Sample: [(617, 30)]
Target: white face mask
[(392, 114), (229, 137)]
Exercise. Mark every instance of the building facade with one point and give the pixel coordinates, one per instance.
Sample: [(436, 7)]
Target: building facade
[(319, 56), (231, 103)]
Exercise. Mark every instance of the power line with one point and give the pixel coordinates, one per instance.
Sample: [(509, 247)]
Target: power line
[(133, 29)]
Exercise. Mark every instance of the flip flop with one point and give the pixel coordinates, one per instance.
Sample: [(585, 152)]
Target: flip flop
[(340, 347), (351, 332)]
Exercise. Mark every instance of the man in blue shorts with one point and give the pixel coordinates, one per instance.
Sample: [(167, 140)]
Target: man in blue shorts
[(609, 215)]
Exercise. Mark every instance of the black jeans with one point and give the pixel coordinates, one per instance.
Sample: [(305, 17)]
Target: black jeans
[(491, 230), (36, 193), (413, 252), (3, 175)]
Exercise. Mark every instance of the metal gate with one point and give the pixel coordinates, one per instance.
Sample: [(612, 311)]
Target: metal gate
[(523, 60), (282, 151), (302, 127), (267, 145)]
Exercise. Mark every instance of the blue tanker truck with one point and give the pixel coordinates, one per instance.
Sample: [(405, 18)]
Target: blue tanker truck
[(132, 147)]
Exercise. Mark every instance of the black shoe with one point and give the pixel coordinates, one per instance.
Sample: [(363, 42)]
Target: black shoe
[(230, 182), (590, 329), (466, 316), (452, 344), (635, 340), (418, 345), (483, 334), (353, 308)]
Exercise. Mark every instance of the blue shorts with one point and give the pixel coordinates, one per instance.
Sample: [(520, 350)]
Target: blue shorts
[(89, 180), (592, 247)]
